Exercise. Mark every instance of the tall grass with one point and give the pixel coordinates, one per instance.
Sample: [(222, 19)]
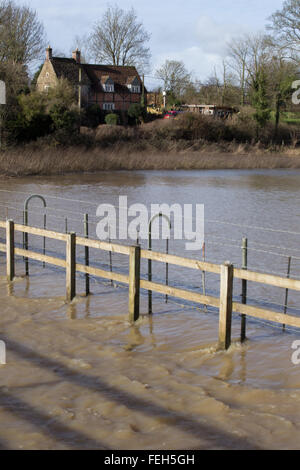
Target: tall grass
[(73, 160), (192, 142)]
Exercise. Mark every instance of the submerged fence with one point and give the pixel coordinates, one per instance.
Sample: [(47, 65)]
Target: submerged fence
[(227, 272)]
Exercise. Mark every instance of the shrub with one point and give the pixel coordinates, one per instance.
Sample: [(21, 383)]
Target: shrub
[(197, 126), (92, 116), (112, 119), (107, 135), (31, 120), (137, 112), (63, 118)]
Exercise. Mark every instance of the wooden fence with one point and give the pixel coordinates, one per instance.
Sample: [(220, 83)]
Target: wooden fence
[(227, 274)]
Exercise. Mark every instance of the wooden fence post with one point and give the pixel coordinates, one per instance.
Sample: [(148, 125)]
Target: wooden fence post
[(70, 266), (244, 288), (225, 313), (10, 250), (134, 283), (286, 290), (86, 253)]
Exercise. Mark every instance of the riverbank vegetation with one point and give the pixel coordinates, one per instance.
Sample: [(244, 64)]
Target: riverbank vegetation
[(192, 142), (27, 162)]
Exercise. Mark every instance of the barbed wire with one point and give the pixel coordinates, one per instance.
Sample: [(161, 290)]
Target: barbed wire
[(188, 218)]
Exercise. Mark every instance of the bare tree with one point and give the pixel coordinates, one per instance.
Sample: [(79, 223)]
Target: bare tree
[(285, 24), (22, 37), (120, 39), (82, 43), (175, 76), (238, 51)]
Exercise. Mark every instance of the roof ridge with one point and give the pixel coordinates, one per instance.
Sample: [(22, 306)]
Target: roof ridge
[(67, 59)]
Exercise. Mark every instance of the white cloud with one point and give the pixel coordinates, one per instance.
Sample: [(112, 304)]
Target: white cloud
[(197, 61), (213, 37), (204, 46)]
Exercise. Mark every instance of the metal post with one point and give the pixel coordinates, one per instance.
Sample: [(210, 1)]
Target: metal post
[(150, 249), (286, 290), (86, 253), (25, 241), (25, 222), (203, 272), (244, 287), (70, 266), (167, 268), (150, 275), (110, 257), (44, 238)]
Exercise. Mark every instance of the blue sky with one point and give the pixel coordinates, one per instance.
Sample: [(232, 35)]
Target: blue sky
[(195, 31)]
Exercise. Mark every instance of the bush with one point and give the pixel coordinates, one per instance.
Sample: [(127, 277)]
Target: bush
[(108, 135), (92, 116), (63, 118), (137, 112), (112, 119), (191, 126)]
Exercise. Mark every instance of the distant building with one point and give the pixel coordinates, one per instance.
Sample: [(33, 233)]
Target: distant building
[(109, 86), (210, 110)]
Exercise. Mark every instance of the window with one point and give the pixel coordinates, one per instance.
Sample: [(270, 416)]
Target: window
[(46, 88), (135, 89), (108, 106), (109, 88)]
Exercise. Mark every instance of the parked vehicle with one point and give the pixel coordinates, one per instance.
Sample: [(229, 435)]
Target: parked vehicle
[(170, 114)]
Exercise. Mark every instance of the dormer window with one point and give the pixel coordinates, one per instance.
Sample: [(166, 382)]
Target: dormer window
[(135, 89), (134, 85), (109, 88), (107, 84)]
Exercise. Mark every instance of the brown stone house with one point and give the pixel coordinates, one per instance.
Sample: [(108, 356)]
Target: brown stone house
[(109, 86)]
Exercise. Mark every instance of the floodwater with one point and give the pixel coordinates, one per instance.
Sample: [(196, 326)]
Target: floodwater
[(79, 376)]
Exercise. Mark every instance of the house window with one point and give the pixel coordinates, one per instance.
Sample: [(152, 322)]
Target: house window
[(135, 89), (109, 88), (46, 88), (108, 106)]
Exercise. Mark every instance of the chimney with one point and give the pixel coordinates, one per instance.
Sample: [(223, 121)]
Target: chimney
[(76, 56), (48, 53)]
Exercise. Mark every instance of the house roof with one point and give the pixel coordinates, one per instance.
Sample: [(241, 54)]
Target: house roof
[(95, 75), (69, 69)]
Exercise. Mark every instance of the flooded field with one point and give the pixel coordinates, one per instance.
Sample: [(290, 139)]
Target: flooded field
[(79, 376)]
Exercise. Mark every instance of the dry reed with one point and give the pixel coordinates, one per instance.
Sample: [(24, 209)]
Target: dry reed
[(57, 161)]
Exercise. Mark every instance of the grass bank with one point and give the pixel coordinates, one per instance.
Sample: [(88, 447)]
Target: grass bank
[(192, 143), (78, 160)]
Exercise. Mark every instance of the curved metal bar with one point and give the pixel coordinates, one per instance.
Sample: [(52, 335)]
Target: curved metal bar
[(159, 215), (25, 222)]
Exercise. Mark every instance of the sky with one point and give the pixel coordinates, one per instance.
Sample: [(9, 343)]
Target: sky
[(194, 31)]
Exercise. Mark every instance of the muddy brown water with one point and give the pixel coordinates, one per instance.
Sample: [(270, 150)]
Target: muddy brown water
[(80, 376)]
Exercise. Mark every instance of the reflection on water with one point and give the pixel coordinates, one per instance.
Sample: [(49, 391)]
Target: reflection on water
[(80, 376)]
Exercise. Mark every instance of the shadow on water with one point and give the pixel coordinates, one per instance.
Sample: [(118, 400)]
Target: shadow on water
[(212, 436), (46, 424), (4, 445)]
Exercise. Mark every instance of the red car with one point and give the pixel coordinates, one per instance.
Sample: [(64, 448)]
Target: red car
[(170, 114)]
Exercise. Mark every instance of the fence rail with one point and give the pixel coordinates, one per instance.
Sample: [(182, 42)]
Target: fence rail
[(133, 279)]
